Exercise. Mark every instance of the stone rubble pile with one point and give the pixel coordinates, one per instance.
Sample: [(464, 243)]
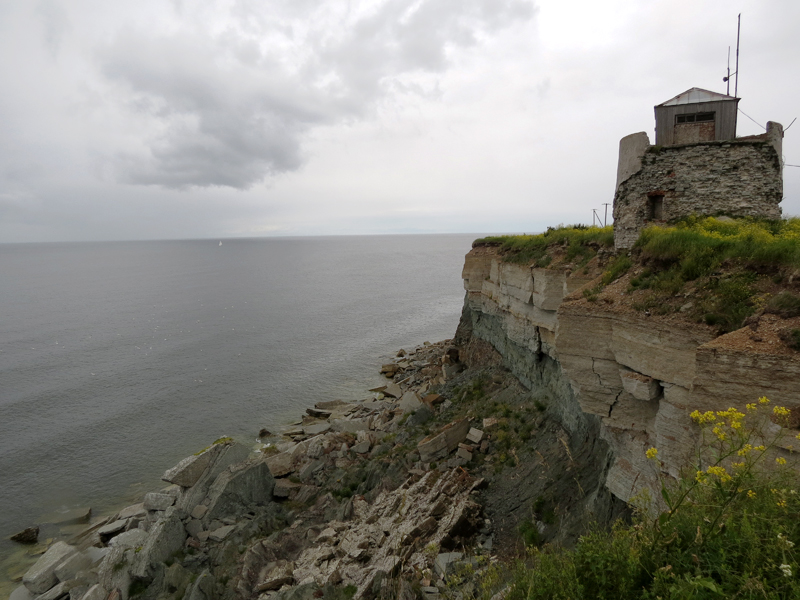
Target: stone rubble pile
[(221, 529)]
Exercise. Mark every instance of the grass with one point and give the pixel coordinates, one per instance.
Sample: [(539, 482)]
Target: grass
[(728, 528), (728, 264), (699, 246), (580, 242)]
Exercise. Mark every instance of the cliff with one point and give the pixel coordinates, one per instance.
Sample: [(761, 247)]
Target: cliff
[(528, 427), (634, 374)]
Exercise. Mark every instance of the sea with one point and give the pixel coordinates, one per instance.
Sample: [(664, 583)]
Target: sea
[(118, 359)]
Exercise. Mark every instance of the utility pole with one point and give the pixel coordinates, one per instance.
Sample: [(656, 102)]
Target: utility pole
[(605, 218)]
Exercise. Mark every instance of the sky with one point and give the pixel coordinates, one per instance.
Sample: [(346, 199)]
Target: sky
[(176, 119)]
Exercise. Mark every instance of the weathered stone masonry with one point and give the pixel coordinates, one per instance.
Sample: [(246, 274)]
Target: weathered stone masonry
[(740, 177)]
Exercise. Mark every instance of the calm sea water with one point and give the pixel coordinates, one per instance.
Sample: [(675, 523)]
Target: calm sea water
[(119, 359)]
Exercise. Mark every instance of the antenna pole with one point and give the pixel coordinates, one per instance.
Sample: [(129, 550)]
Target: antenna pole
[(728, 78), (738, 30), (605, 218)]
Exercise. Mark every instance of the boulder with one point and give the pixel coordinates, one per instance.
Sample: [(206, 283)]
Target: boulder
[(203, 588), (250, 484), (275, 577), (134, 538), (96, 592), (21, 593), (57, 591), (133, 511), (41, 576), (194, 527), (317, 428), (114, 572), (475, 435), (433, 399), (361, 447), (443, 560), (29, 535), (221, 533), (465, 454), (349, 426), (283, 488), (223, 456), (393, 390), (189, 470), (157, 501), (70, 567), (330, 404), (390, 369), (280, 464), (166, 537), (410, 402), (318, 413), (106, 532), (438, 446)]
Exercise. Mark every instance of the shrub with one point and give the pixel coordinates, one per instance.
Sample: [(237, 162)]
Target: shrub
[(580, 242), (785, 304), (728, 527)]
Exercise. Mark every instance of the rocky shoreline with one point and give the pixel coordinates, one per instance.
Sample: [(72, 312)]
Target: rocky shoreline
[(357, 499)]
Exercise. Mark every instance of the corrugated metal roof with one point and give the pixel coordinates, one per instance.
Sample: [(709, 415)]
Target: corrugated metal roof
[(696, 95)]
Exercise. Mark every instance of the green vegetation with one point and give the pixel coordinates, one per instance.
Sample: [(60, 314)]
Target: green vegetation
[(700, 246), (580, 244), (785, 304), (728, 528), (728, 266)]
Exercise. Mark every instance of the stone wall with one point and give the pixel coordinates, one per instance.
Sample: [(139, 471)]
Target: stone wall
[(741, 177)]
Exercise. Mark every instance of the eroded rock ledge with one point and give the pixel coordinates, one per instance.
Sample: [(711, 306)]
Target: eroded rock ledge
[(638, 376)]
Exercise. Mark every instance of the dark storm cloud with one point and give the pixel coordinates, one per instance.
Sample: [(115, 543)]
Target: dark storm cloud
[(231, 108)]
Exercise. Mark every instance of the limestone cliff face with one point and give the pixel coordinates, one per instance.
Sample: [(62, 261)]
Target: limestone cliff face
[(637, 377)]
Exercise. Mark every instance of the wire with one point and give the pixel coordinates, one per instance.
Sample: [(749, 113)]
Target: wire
[(752, 119), (790, 124)]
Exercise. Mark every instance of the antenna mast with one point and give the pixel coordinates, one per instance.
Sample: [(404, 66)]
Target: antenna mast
[(728, 78), (738, 30)]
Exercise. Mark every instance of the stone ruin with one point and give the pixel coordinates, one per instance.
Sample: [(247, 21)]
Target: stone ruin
[(714, 174)]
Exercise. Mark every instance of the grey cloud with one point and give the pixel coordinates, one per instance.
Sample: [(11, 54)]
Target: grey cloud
[(54, 23), (232, 110)]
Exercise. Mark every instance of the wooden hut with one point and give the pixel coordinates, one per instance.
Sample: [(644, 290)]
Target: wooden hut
[(696, 115)]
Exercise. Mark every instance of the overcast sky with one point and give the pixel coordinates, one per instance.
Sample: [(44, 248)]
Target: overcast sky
[(161, 119)]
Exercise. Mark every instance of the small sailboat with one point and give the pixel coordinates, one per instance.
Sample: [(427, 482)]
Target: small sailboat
[(220, 242)]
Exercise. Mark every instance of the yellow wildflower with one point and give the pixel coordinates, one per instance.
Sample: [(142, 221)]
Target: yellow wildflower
[(751, 494), (782, 504), (763, 400), (702, 418), (780, 411), (651, 453), (780, 460), (745, 449), (751, 406), (719, 472)]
